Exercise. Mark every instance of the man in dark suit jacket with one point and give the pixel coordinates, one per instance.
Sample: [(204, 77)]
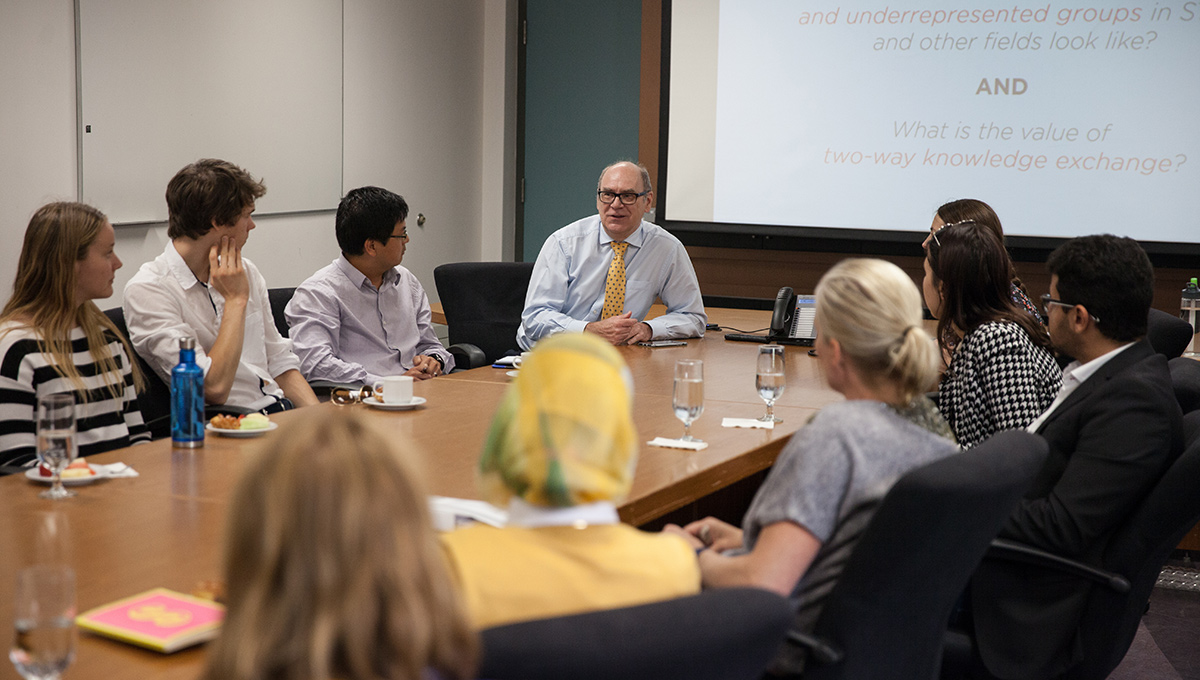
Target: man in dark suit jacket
[(1113, 430)]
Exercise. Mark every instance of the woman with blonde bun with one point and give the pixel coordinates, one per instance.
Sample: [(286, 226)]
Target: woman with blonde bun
[(332, 566), (823, 490), (559, 456)]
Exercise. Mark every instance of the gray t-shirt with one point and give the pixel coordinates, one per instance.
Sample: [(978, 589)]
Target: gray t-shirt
[(830, 479)]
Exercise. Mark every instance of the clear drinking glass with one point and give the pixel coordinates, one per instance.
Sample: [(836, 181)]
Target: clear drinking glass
[(56, 446), (44, 618), (688, 398), (769, 379), (343, 396), (51, 535)]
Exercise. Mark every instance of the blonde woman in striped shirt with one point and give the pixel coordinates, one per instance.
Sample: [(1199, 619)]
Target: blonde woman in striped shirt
[(53, 338)]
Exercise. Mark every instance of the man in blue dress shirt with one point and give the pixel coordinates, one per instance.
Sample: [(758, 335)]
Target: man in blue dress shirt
[(364, 316), (602, 273)]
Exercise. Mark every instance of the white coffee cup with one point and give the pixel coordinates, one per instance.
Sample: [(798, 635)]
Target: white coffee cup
[(396, 389)]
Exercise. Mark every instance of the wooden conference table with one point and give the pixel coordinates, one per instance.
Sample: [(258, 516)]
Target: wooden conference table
[(165, 527)]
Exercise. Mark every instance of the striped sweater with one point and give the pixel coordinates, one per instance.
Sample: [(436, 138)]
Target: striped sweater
[(102, 422)]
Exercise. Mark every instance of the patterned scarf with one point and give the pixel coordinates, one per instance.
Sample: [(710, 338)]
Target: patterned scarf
[(563, 434)]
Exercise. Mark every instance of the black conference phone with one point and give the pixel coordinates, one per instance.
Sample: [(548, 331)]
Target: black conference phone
[(791, 321)]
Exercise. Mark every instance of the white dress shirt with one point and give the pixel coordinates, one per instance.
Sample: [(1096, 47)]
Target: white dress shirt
[(1074, 375), (346, 331), (566, 290), (165, 302)]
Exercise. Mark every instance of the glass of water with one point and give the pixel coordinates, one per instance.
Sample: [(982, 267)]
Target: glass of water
[(56, 439), (44, 618), (688, 398), (769, 379)]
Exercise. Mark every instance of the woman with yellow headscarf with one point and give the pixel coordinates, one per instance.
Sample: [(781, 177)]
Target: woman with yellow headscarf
[(560, 453)]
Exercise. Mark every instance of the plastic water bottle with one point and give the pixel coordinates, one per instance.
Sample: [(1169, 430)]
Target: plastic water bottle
[(1189, 306), (187, 399)]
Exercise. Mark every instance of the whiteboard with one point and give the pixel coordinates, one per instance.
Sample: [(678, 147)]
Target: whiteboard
[(163, 83)]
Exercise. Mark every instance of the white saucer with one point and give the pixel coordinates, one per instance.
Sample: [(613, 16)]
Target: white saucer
[(373, 403), (512, 374), (240, 433), (32, 475)]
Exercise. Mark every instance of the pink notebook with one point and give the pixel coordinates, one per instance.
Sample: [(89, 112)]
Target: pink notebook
[(159, 619)]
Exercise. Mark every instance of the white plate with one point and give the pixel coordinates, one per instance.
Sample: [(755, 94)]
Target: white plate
[(374, 403), (512, 374), (240, 433), (32, 475)]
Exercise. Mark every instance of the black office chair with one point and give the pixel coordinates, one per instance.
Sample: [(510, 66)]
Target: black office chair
[(483, 302), (719, 634), (1191, 426), (887, 615), (1168, 334), (155, 399), (279, 297), (1185, 381), (1130, 565)]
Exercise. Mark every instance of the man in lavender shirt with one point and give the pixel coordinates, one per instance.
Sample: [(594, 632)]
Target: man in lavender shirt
[(364, 316)]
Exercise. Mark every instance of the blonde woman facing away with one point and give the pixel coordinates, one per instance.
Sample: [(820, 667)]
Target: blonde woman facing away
[(332, 567), (560, 453), (823, 490), (53, 338)]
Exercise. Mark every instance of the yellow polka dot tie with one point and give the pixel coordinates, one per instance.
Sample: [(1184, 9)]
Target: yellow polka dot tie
[(614, 287)]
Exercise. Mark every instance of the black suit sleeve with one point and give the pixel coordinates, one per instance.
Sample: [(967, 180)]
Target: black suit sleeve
[(1110, 451)]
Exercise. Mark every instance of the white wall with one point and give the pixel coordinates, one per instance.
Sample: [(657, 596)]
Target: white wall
[(429, 112), (37, 117)]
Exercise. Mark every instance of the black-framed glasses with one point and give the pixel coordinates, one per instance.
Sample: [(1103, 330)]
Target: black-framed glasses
[(627, 197), (403, 234), (1047, 301)]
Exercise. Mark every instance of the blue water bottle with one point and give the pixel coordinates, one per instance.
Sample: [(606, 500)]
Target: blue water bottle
[(187, 399)]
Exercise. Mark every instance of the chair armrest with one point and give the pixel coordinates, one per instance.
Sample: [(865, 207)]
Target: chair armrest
[(159, 427), (324, 387), (211, 410), (958, 650), (467, 355), (1004, 549), (821, 650)]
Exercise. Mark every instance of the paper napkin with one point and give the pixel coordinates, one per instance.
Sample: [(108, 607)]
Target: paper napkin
[(451, 513), (115, 470), (677, 444), (747, 422)]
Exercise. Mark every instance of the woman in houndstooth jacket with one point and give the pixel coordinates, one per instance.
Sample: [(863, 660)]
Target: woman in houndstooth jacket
[(1001, 374)]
